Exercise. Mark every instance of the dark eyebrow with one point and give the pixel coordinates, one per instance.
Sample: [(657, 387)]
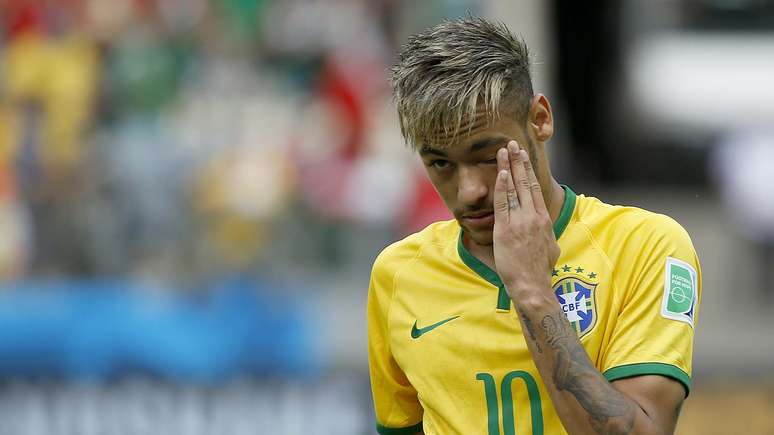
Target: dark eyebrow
[(475, 147), (488, 142), (425, 150)]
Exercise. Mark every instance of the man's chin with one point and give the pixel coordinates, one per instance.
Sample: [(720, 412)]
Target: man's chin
[(479, 237)]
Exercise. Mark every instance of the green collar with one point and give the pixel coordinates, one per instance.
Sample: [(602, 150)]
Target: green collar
[(484, 271)]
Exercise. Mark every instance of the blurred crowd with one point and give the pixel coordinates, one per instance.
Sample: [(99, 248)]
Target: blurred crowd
[(188, 139)]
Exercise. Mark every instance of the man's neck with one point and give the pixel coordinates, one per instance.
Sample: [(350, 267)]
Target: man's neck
[(554, 202)]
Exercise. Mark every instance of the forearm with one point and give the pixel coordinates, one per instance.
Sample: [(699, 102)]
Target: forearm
[(585, 401)]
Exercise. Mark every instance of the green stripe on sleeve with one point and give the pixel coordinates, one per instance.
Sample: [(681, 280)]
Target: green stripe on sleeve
[(413, 430), (668, 370)]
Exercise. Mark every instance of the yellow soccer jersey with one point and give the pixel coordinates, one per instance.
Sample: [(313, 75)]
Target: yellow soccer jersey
[(446, 351)]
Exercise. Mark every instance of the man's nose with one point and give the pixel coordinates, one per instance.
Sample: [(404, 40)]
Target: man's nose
[(472, 187)]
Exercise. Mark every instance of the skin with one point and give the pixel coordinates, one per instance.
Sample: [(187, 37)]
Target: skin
[(488, 171)]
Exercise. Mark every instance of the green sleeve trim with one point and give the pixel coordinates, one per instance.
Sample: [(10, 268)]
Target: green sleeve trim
[(668, 370), (413, 430)]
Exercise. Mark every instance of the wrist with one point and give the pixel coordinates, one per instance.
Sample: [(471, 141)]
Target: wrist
[(524, 289), (533, 299)]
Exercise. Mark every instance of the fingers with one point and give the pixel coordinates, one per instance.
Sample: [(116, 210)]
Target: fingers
[(534, 186), (505, 197), (519, 174)]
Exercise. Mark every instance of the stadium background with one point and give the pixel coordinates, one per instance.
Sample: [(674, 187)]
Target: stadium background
[(192, 192)]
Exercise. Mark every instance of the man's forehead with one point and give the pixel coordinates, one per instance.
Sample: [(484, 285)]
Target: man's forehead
[(472, 136), (470, 144), (447, 138)]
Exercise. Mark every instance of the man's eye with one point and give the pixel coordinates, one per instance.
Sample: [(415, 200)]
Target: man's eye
[(439, 164), (492, 161)]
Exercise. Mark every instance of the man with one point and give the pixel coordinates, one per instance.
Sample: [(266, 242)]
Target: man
[(536, 310)]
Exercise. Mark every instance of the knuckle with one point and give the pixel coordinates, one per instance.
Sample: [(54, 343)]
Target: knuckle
[(524, 183)]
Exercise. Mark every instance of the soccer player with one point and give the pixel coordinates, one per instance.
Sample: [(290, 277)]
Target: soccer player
[(536, 310)]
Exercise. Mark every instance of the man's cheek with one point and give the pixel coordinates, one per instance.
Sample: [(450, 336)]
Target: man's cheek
[(448, 195)]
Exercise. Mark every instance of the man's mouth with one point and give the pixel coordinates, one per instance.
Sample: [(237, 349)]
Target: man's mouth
[(477, 214), (479, 220)]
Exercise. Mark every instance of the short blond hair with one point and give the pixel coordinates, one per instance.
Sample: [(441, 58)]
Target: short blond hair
[(445, 75)]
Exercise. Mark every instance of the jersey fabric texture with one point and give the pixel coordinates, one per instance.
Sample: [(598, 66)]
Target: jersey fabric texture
[(445, 346)]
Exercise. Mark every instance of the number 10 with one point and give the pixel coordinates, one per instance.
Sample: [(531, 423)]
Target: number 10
[(509, 423)]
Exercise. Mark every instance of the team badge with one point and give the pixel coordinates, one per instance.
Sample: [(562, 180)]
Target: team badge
[(577, 300)]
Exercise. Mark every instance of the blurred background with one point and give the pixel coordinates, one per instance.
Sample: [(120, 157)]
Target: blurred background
[(192, 193)]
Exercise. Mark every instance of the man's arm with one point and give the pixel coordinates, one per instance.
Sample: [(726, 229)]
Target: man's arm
[(585, 401), (395, 400), (525, 251)]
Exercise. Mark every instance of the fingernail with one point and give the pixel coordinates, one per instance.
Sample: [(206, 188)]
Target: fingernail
[(513, 147), (524, 155)]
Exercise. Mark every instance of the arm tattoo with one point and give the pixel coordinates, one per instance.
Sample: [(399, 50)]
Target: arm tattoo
[(530, 329), (573, 372)]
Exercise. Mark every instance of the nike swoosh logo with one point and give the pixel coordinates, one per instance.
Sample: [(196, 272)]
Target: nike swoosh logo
[(418, 332)]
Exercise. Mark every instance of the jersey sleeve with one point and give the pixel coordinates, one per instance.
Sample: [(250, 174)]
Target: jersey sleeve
[(397, 407), (659, 279)]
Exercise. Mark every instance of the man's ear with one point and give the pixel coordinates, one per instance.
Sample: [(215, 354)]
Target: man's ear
[(541, 119)]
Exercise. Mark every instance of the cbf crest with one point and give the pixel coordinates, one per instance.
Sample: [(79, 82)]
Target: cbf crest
[(577, 299)]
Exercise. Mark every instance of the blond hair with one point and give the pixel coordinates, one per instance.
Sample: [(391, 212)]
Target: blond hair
[(447, 75)]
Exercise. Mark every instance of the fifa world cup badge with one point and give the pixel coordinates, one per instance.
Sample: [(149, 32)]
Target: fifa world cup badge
[(679, 300)]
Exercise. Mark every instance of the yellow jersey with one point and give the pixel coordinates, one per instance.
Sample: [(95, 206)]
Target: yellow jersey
[(445, 346)]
